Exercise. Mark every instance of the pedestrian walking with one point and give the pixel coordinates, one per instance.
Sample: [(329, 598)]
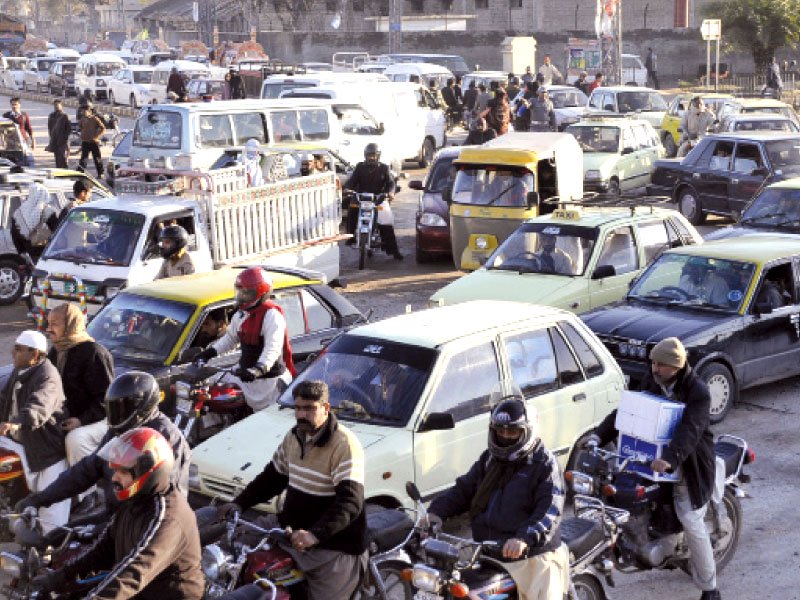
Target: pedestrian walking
[(23, 121), (651, 64), (236, 85), (549, 72), (59, 128), (598, 82), (774, 81), (528, 76), (92, 130)]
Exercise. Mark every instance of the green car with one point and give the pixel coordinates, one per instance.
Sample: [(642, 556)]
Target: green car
[(618, 152), (574, 258)]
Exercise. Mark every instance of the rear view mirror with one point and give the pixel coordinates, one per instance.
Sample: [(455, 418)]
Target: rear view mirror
[(604, 271), (436, 421), (415, 184), (413, 491)]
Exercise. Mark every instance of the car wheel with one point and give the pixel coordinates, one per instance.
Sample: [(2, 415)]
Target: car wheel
[(669, 146), (426, 155), (133, 101), (12, 282), (690, 206), (111, 97), (632, 83), (722, 389)]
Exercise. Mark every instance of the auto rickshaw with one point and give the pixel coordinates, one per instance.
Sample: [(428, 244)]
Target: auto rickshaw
[(504, 182)]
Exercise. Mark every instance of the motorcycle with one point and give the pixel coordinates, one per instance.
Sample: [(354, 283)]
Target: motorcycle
[(373, 210), (247, 553), (652, 537), (205, 408), (13, 487), (111, 123)]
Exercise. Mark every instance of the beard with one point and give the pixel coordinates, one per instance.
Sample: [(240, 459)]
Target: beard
[(666, 382), (305, 426)]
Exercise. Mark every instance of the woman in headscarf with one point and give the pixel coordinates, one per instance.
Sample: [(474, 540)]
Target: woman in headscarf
[(86, 369)]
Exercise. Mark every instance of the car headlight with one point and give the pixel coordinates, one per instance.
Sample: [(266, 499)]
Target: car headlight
[(194, 476), (10, 564), (481, 243), (432, 220), (212, 561), (425, 578), (592, 174)]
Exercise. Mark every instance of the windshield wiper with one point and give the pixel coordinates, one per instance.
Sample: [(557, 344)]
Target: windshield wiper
[(500, 195)]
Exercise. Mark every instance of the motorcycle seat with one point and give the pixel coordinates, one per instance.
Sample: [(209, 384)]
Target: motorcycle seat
[(730, 453), (581, 535), (388, 528)]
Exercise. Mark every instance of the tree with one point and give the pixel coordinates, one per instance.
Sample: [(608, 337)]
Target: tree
[(761, 26)]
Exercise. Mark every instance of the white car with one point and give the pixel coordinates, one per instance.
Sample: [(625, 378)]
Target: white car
[(34, 79), (14, 67), (625, 99), (569, 104), (130, 85)]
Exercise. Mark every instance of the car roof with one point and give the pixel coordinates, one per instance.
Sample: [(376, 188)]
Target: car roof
[(434, 327), (756, 135), (606, 120), (209, 287), (787, 184), (769, 247), (623, 88), (597, 216), (770, 102), (757, 116)]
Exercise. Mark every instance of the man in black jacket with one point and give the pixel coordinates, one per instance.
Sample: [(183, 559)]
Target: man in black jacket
[(59, 128), (236, 84), (691, 449), (131, 401), (514, 494)]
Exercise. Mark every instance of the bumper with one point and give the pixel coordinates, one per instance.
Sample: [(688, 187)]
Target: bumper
[(600, 187), (434, 240), (659, 190)]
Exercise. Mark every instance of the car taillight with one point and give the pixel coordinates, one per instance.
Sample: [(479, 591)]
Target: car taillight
[(749, 456)]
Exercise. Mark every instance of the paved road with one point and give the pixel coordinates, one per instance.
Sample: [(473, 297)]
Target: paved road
[(767, 564)]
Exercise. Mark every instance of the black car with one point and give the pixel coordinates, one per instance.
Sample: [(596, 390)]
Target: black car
[(724, 171), (735, 305), (776, 209), (61, 79)]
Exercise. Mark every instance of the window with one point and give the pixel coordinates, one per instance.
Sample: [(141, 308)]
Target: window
[(641, 136), (249, 126), (317, 316), (619, 251), (569, 372), (608, 101), (720, 158), (355, 121), (628, 140), (587, 357), (470, 377), (532, 362), (292, 307), (158, 129), (776, 289), (481, 4), (215, 131), (654, 239), (596, 101), (747, 158), (284, 126), (185, 220)]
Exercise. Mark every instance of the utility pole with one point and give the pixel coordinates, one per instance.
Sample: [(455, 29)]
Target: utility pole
[(395, 25), (619, 42)]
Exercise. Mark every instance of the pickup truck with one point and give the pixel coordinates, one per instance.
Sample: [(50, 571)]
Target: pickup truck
[(724, 171)]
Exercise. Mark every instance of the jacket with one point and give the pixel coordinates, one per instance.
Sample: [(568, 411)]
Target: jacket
[(371, 179), (151, 548), (470, 98), (93, 469), (529, 507), (59, 128), (324, 483), (692, 445), (88, 372), (176, 84), (236, 84), (23, 121), (40, 405), (477, 137), (92, 128)]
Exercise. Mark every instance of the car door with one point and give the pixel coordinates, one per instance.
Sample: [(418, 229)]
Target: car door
[(711, 175), (310, 321), (462, 384), (628, 166), (618, 250), (672, 120), (747, 174)]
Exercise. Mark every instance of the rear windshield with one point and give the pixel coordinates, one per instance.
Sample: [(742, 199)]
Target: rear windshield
[(108, 68), (158, 129)]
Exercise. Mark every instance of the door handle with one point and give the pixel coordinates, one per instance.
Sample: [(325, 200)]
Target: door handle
[(734, 181), (579, 397)]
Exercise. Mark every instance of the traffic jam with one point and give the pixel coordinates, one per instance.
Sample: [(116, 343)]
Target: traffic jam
[(192, 336)]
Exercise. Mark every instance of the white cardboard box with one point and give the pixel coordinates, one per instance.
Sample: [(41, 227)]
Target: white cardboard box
[(648, 417)]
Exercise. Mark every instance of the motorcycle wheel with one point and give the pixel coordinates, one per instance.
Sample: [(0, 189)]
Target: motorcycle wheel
[(587, 587), (725, 548), (396, 587), (363, 239)]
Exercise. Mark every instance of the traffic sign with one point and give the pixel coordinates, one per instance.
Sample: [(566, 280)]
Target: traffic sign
[(711, 29)]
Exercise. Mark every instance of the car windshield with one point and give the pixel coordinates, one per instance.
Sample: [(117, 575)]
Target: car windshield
[(370, 380), (43, 66), (596, 138), (69, 69), (568, 98), (158, 129), (142, 76), (545, 248), (640, 100), (140, 327), (774, 207), (441, 175), (493, 186), (765, 125), (10, 139), (108, 68), (695, 281), (91, 236), (123, 148)]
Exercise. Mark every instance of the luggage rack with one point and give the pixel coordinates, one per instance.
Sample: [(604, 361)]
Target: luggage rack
[(595, 200)]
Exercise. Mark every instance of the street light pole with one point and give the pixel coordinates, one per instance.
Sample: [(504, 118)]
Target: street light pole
[(619, 40)]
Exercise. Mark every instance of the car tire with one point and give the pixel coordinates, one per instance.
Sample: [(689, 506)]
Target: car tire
[(722, 389), (632, 83), (111, 97), (669, 146), (690, 206), (12, 282), (133, 101), (426, 153)]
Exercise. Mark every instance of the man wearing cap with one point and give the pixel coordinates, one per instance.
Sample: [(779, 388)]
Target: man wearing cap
[(31, 410), (691, 449)]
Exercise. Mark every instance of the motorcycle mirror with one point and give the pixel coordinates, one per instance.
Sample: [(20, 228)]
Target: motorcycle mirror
[(413, 491)]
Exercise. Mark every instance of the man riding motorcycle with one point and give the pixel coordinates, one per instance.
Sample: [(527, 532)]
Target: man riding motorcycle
[(514, 494), (151, 547), (696, 121), (131, 401), (265, 366)]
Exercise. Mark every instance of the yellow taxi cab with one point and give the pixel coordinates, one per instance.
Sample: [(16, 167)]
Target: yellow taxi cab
[(670, 136)]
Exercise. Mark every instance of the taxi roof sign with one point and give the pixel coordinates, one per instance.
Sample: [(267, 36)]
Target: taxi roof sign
[(568, 214)]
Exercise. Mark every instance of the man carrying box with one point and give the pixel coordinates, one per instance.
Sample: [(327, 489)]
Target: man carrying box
[(691, 449)]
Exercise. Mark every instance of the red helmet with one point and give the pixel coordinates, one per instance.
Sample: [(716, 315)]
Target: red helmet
[(252, 285), (149, 458)]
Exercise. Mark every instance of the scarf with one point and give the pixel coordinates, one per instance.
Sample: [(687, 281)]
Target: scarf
[(498, 474), (74, 332)]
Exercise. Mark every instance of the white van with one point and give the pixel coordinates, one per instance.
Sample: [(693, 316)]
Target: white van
[(194, 134), (275, 85), (93, 73), (64, 53), (189, 70), (418, 73)]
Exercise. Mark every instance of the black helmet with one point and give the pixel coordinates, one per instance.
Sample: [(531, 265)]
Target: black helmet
[(172, 239), (512, 414), (372, 148), (131, 400)]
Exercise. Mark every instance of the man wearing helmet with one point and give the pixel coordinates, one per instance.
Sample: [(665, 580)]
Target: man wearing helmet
[(151, 546), (373, 177), (131, 401), (259, 329), (172, 243), (514, 493)]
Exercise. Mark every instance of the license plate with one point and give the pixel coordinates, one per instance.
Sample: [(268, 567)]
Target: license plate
[(57, 287), (426, 596), (184, 406)]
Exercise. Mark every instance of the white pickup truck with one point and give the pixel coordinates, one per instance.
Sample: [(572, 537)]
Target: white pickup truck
[(104, 246)]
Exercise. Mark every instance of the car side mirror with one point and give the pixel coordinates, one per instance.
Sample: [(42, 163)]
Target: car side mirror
[(532, 199), (437, 421), (627, 150), (447, 194), (415, 184), (381, 128), (760, 172), (413, 491), (763, 308), (604, 271)]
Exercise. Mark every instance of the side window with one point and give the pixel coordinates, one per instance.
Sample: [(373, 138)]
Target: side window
[(357, 122), (314, 124), (284, 126), (587, 357), (569, 372), (628, 140), (532, 362), (777, 288), (596, 101), (317, 315), (641, 137), (249, 126), (470, 377), (185, 220), (654, 239), (292, 307), (748, 157), (215, 131), (720, 159), (619, 251), (608, 102)]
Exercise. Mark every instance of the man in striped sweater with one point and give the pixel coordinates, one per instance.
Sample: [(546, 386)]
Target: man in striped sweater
[(320, 464)]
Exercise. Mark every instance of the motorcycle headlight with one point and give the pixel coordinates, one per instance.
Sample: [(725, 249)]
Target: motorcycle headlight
[(432, 220), (592, 174), (183, 389), (212, 561), (582, 484), (425, 578), (10, 564), (194, 476)]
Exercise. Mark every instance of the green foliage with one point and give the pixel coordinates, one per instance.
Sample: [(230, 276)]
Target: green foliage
[(761, 26)]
